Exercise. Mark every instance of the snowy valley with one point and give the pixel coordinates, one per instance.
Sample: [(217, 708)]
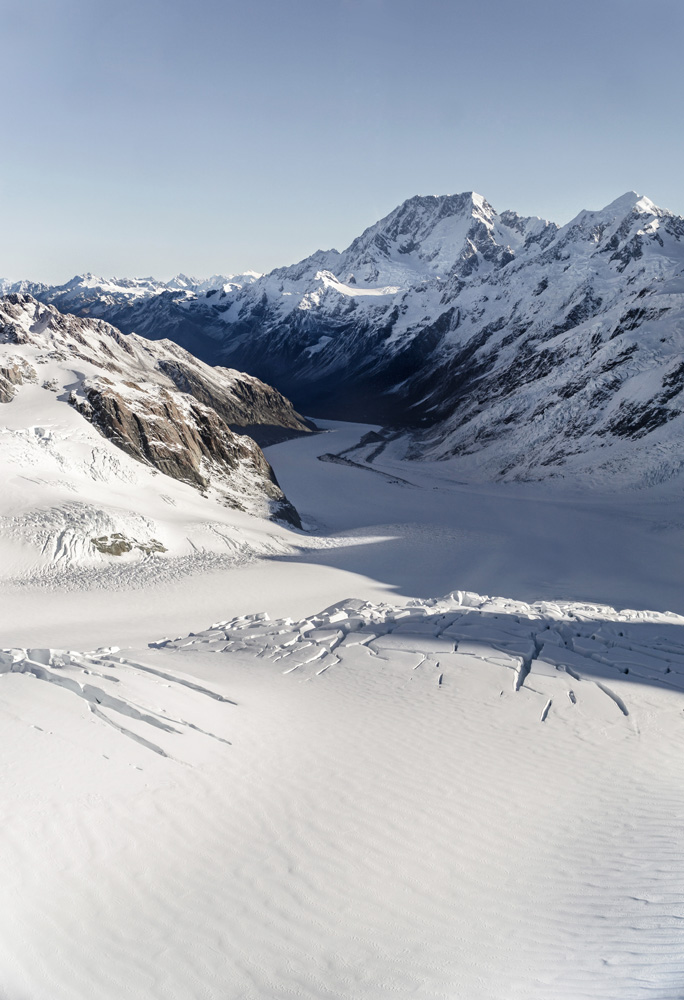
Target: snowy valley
[(265, 734)]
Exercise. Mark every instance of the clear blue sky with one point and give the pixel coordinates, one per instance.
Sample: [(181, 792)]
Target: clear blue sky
[(156, 136)]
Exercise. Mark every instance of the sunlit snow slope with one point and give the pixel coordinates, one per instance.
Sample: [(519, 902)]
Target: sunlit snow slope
[(464, 799)]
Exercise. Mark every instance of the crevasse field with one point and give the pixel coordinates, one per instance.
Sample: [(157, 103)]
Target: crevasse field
[(327, 764)]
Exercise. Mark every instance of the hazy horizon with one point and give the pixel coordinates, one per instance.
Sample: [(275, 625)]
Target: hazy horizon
[(159, 137)]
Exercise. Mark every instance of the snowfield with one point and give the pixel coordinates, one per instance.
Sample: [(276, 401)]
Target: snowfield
[(465, 798), (281, 766)]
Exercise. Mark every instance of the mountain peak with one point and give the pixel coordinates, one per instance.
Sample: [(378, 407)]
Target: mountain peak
[(631, 201), (616, 213), (434, 228)]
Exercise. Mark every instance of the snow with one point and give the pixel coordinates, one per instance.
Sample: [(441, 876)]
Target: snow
[(385, 794), (265, 809), (530, 540), (98, 293), (571, 335), (199, 286), (318, 346), (65, 485), (265, 763), (631, 201), (329, 280)]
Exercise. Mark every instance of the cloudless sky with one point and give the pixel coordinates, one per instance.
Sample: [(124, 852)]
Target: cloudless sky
[(155, 136)]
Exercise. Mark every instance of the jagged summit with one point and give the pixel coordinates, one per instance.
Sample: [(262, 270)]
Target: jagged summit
[(428, 210), (426, 236), (428, 227)]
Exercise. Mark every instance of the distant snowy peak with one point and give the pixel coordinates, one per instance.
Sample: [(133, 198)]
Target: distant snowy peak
[(222, 282), (638, 203), (433, 236), (185, 283), (92, 289), (626, 204), (626, 217), (23, 287)]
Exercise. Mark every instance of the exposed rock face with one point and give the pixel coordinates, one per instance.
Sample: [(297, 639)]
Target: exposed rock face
[(246, 404), (12, 374), (182, 438), (117, 545), (156, 402)]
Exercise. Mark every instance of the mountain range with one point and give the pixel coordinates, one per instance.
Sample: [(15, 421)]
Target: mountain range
[(516, 348)]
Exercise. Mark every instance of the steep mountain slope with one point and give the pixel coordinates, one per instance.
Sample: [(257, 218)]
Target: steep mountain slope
[(345, 329), (567, 361), (475, 325), (78, 490), (512, 346)]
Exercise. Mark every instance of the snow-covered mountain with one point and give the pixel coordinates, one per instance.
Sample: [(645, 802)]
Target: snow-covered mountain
[(91, 417), (512, 346)]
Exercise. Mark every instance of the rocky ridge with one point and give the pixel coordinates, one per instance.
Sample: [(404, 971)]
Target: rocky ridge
[(154, 401)]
